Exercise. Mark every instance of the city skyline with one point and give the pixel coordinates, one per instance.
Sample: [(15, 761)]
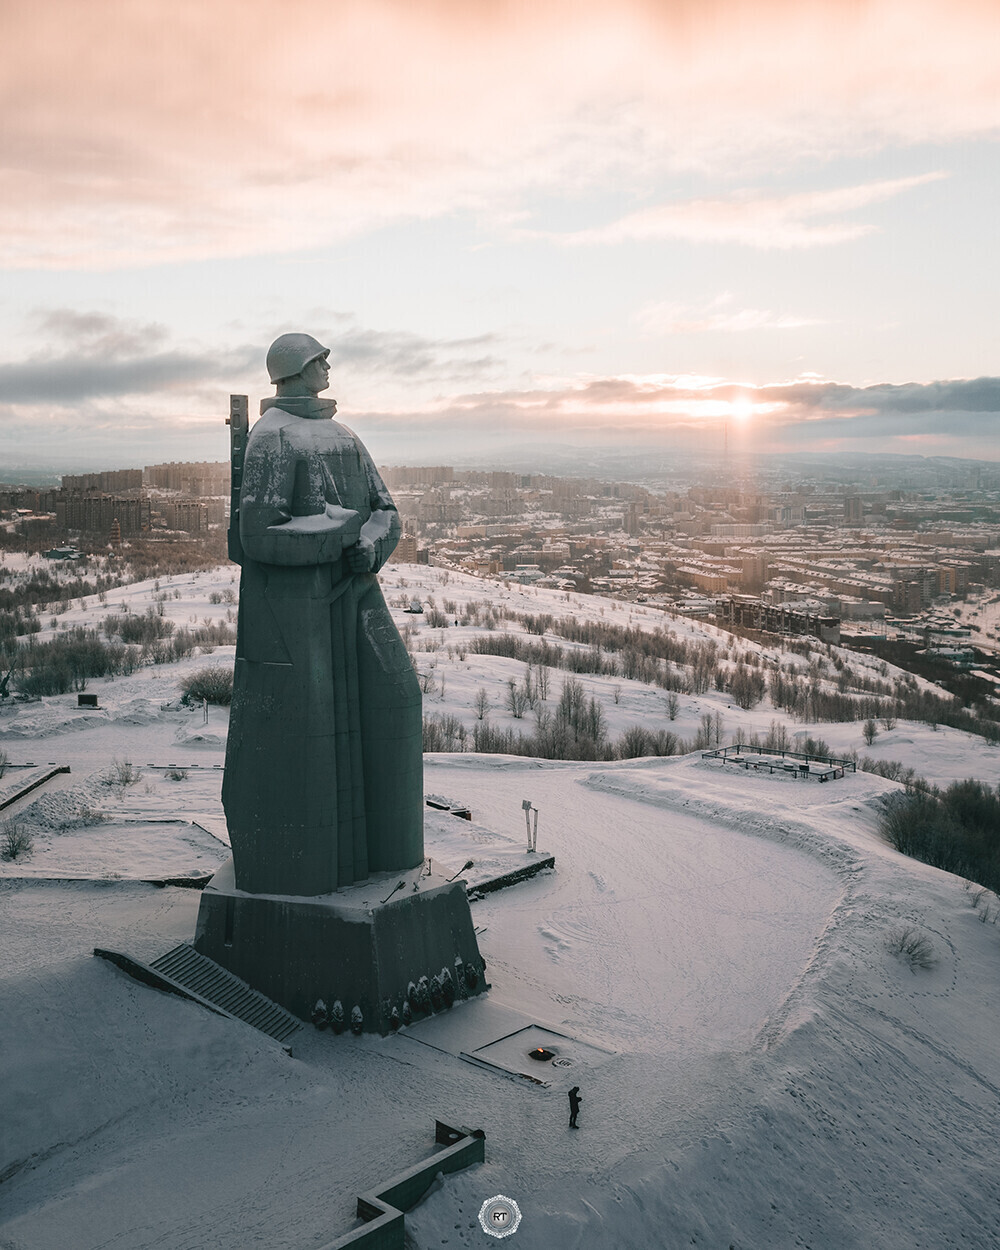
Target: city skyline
[(671, 225)]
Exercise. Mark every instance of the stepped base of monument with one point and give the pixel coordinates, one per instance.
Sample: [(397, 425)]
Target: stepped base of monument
[(350, 946)]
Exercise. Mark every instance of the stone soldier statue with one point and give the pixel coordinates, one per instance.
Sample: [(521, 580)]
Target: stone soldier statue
[(324, 771)]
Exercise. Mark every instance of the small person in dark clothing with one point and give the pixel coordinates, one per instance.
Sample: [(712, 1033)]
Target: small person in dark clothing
[(574, 1106)]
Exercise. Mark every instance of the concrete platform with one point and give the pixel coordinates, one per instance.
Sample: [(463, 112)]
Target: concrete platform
[(362, 945), (494, 1035)]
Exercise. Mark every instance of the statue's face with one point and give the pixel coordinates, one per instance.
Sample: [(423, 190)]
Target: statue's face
[(316, 375)]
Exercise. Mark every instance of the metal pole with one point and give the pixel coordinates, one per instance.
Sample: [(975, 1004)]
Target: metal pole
[(239, 427)]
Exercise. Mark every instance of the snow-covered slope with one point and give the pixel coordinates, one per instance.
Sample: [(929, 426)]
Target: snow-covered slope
[(130, 720), (782, 1075)]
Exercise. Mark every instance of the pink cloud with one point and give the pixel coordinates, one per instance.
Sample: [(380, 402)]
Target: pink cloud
[(716, 317), (160, 131), (787, 221), (656, 407)]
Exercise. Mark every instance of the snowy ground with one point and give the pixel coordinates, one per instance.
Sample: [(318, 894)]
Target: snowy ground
[(779, 1077), (143, 703)]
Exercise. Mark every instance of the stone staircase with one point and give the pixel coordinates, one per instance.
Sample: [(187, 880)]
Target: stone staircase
[(184, 972), (207, 982)]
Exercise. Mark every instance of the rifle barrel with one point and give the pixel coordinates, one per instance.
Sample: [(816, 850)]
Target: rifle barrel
[(239, 427)]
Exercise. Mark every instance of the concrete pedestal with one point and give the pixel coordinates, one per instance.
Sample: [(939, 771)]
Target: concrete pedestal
[(348, 945)]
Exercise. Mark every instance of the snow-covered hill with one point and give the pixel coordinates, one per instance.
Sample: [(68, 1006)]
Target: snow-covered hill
[(785, 1071), (453, 673)]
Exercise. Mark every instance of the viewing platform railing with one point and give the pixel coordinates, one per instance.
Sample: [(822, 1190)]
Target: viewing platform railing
[(774, 759)]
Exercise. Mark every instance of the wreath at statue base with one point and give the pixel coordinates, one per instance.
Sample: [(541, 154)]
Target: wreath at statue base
[(353, 946)]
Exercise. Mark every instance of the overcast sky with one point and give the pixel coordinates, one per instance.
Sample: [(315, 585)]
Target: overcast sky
[(582, 222)]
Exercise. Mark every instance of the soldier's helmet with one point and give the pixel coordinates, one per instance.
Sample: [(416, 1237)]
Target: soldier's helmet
[(290, 353)]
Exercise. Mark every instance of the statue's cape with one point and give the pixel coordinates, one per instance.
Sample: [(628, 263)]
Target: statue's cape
[(310, 406)]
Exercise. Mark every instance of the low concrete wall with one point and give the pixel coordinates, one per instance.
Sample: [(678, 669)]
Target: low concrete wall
[(386, 1232), (512, 878), (38, 781), (383, 1207)]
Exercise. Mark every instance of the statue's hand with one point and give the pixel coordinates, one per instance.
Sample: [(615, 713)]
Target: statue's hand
[(347, 520), (361, 557)]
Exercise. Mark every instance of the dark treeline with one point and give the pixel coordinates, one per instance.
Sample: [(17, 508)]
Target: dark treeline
[(151, 557), (574, 730), (957, 829), (95, 574), (66, 663), (41, 590), (684, 667), (972, 690), (624, 640), (824, 690), (17, 624)]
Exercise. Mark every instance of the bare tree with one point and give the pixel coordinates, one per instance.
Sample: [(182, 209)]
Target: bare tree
[(481, 703), (703, 737), (528, 686), (121, 773), (777, 737), (913, 946), (870, 731), (15, 840), (517, 700)]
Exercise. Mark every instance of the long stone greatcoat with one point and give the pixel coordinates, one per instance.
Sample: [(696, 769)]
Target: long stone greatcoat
[(324, 770)]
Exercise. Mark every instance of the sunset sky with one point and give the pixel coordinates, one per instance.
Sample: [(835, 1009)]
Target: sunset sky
[(579, 223)]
